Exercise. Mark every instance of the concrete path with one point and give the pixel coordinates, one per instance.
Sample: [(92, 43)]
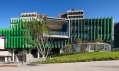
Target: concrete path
[(80, 66)]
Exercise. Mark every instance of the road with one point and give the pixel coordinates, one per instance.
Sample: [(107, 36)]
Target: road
[(79, 66)]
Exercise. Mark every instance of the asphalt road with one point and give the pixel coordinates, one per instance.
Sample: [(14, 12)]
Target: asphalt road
[(80, 66)]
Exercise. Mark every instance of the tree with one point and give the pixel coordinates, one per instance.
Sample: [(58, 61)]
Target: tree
[(68, 48), (99, 40), (35, 32), (77, 41)]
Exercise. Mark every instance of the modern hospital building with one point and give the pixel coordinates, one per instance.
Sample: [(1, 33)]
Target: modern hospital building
[(67, 27)]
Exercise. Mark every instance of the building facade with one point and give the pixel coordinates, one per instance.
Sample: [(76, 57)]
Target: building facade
[(91, 29), (15, 43), (79, 14), (65, 30), (116, 35)]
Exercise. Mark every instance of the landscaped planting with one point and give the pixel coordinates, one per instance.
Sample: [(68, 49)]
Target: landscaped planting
[(82, 57)]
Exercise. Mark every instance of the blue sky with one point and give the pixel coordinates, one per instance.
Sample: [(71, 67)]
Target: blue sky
[(92, 8)]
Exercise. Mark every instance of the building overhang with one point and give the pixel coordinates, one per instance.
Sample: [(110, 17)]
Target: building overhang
[(56, 36)]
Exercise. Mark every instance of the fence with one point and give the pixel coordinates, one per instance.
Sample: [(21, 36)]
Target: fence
[(90, 47)]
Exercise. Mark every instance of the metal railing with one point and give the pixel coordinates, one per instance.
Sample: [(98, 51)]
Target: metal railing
[(59, 33), (91, 47)]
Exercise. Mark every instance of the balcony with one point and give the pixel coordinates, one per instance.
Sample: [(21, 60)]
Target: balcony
[(58, 34)]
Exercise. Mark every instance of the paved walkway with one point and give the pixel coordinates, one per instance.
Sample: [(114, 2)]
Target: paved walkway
[(80, 66)]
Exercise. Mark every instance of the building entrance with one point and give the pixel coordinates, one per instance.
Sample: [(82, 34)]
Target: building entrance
[(34, 52)]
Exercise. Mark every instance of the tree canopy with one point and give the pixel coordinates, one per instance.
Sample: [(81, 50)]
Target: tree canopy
[(78, 40), (35, 32), (99, 40)]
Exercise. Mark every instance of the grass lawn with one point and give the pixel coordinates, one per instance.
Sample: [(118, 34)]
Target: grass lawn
[(82, 57)]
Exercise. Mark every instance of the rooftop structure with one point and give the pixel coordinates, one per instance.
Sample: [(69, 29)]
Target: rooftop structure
[(72, 14)]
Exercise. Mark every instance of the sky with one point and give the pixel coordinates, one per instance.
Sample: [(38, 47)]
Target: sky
[(92, 8)]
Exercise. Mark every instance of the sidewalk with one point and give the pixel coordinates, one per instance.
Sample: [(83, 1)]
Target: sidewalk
[(79, 66)]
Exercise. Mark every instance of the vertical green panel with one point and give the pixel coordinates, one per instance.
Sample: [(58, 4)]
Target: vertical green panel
[(20, 28), (14, 31), (98, 27), (71, 31), (104, 28), (101, 28), (88, 29), (108, 29), (91, 29), (81, 30), (9, 39), (11, 42), (112, 28), (83, 23), (20, 42), (74, 29), (23, 43), (5, 37), (94, 28), (14, 42), (78, 28), (84, 29), (17, 29)]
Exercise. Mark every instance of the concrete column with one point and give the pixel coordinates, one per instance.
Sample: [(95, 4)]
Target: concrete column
[(61, 51), (104, 46), (17, 60), (109, 47), (89, 47), (6, 59), (13, 55), (38, 53)]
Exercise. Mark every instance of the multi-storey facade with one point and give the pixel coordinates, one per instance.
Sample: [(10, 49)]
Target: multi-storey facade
[(65, 30), (91, 29), (79, 14), (15, 42), (116, 35)]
